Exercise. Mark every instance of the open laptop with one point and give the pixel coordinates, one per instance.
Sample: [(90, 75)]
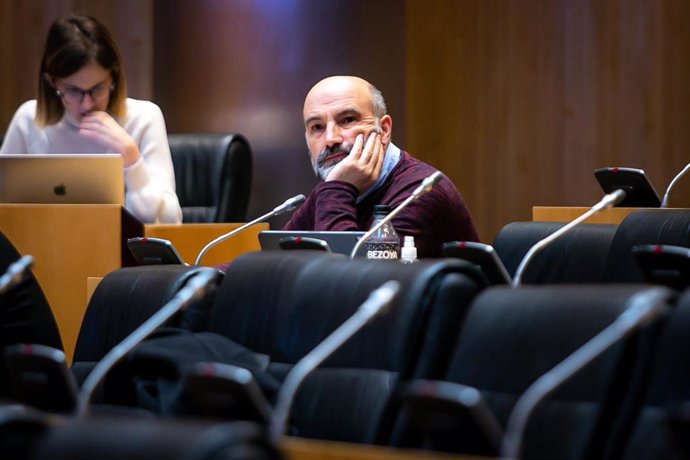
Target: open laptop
[(338, 242), (67, 178)]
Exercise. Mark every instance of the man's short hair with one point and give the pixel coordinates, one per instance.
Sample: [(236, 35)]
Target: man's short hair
[(378, 105)]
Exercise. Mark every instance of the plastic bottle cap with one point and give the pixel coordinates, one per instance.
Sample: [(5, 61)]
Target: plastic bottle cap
[(408, 251)]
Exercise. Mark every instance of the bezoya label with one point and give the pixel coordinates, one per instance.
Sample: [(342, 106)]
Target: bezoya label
[(383, 251)]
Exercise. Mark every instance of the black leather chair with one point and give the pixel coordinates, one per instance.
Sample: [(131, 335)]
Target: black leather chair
[(21, 428), (591, 253), (662, 430), (283, 304), (25, 316), (656, 226), (127, 297), (578, 257), (513, 336), (213, 176), (132, 439)]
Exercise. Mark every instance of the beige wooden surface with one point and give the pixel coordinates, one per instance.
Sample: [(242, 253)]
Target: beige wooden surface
[(189, 239), (91, 285), (309, 449), (569, 213), (68, 243)]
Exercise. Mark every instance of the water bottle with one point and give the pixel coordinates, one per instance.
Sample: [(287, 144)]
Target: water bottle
[(384, 243)]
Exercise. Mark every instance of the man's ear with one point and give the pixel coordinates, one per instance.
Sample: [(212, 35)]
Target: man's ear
[(386, 124)]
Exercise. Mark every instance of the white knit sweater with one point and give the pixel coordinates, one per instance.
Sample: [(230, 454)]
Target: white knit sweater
[(149, 183)]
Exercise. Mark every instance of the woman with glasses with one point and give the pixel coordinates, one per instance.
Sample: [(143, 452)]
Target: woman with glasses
[(82, 107)]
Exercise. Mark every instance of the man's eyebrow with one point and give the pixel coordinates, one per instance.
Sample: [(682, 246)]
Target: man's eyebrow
[(311, 119), (349, 111)]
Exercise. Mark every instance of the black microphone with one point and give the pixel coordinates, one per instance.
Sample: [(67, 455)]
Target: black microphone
[(289, 205), (427, 184), (606, 202), (376, 304), (664, 201), (15, 273), (194, 289), (643, 308)]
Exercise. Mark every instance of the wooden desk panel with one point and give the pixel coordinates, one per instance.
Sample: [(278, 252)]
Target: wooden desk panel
[(71, 243), (311, 449), (569, 213), (68, 243), (189, 239)]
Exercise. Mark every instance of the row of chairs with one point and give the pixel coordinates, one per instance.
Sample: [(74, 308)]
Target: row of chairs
[(594, 253), (446, 326)]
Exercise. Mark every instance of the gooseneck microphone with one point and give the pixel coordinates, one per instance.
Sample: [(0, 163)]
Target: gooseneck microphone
[(643, 308), (195, 289), (664, 201), (289, 205), (427, 184), (15, 273), (606, 202), (376, 304)]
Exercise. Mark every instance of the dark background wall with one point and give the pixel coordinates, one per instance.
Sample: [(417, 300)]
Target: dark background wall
[(245, 66), (517, 101)]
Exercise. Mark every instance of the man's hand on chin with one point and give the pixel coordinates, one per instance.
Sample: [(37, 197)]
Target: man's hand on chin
[(362, 166)]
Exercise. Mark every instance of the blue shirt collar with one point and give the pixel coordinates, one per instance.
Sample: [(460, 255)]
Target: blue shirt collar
[(390, 159)]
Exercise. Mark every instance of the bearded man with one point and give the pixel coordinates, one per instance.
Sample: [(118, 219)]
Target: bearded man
[(348, 133)]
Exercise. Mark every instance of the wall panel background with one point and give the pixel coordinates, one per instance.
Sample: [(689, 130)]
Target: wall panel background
[(517, 101)]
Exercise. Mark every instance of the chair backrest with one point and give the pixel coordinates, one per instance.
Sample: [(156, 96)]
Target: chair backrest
[(127, 297), (655, 226), (21, 428), (284, 304), (140, 439), (213, 176), (513, 336), (661, 430), (578, 257), (25, 315), (252, 302)]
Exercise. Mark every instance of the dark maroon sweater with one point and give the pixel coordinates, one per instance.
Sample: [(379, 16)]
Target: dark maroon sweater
[(436, 217)]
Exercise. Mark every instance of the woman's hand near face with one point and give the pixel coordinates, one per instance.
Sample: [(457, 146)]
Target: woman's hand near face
[(100, 126)]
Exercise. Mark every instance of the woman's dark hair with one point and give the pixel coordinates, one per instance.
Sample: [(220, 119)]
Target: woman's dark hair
[(73, 42)]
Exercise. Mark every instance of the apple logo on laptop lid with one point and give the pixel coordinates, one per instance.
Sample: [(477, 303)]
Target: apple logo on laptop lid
[(60, 190)]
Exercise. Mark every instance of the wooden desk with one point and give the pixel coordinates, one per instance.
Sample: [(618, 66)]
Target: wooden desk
[(68, 243), (73, 242), (189, 239), (310, 449), (569, 213)]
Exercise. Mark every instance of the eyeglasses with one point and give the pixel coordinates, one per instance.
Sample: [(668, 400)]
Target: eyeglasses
[(76, 95)]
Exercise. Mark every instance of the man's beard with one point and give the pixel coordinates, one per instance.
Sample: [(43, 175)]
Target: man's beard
[(323, 165)]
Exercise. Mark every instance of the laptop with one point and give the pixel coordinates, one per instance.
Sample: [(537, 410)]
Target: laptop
[(66, 178), (338, 242)]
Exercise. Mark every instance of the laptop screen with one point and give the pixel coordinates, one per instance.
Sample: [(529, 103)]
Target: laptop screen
[(339, 242), (62, 178)]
